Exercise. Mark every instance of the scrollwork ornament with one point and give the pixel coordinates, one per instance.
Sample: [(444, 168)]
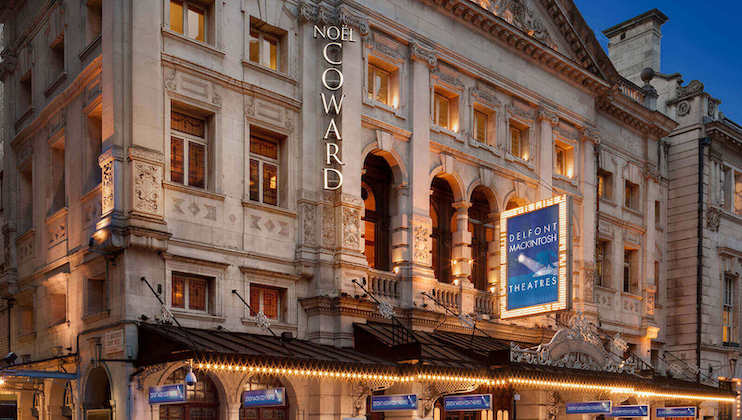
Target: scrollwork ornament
[(386, 310), (683, 108)]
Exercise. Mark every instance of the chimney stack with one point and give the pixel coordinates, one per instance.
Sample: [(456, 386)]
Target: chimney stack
[(635, 44)]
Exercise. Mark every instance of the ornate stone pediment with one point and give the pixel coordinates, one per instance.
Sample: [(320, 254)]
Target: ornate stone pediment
[(576, 347)]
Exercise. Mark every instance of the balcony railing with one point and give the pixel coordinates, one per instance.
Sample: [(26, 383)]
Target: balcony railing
[(485, 303), (631, 90), (383, 284)]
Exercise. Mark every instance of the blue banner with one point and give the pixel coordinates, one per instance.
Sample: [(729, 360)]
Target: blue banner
[(165, 394), (467, 402), (272, 397), (630, 411), (589, 407), (676, 412), (532, 247), (393, 402)]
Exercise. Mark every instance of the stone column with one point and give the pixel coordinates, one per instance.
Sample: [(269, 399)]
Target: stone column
[(461, 259), (420, 270), (587, 174), (547, 121)]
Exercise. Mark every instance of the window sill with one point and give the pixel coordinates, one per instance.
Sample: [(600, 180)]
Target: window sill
[(608, 201), (570, 180), (727, 344), (269, 71), (61, 212), (488, 147), (384, 107), (631, 295), (279, 325), (168, 185), (94, 317), (58, 326), (198, 316), (515, 159), (202, 45), (267, 207), (55, 84), (24, 116), (448, 132), (606, 289), (633, 211), (89, 49)]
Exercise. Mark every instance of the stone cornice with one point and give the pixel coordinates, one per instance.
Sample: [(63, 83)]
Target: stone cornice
[(497, 27), (727, 131), (634, 114)]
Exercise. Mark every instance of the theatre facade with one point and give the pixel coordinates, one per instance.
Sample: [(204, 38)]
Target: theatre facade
[(287, 210)]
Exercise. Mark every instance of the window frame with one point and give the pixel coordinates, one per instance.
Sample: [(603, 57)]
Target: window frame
[(569, 163), (187, 139), (632, 201), (603, 263), (186, 5), (730, 310), (373, 69), (524, 135), (281, 305), (262, 160), (452, 94), (210, 284), (265, 31), (631, 264), (605, 188)]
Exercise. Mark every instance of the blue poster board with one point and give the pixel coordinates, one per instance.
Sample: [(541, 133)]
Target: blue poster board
[(589, 407), (676, 412), (630, 411), (467, 402), (393, 402), (273, 397), (165, 394), (535, 257)]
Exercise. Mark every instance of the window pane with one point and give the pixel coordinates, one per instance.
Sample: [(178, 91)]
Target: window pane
[(381, 85), (196, 165), (273, 54), (187, 124), (263, 147), (480, 126), (255, 293), (254, 180), (738, 192), (197, 294), (196, 24), (176, 16), (515, 146), (270, 303), (178, 295), (370, 81), (255, 50), (441, 110), (176, 160), (560, 161), (270, 184), (369, 235)]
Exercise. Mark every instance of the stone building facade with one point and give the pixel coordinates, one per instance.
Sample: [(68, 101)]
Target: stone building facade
[(176, 162)]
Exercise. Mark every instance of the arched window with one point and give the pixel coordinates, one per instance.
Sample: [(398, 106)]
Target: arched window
[(202, 400), (264, 413), (481, 234), (442, 215), (376, 184)]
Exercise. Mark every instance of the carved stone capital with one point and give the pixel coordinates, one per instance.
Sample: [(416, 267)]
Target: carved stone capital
[(545, 114), (424, 54), (591, 134)]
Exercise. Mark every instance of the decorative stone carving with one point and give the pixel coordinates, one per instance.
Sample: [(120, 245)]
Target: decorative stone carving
[(683, 108), (147, 188), (106, 188), (693, 88), (517, 13), (347, 17), (485, 97), (308, 221), (328, 227), (216, 99), (351, 228), (170, 82), (422, 244), (326, 14), (250, 105), (418, 52), (713, 219), (545, 114), (57, 231)]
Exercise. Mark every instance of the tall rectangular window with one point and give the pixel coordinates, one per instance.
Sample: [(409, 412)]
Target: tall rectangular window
[(631, 195), (189, 18), (602, 264), (191, 292), (25, 93), (605, 185), (657, 213), (657, 280), (94, 134), (738, 192), (630, 271), (264, 166), (379, 84), (480, 126), (188, 150), (563, 161), (56, 61), (729, 310), (26, 202), (97, 297), (519, 146), (57, 179), (25, 319), (267, 45), (57, 309), (267, 299), (441, 111)]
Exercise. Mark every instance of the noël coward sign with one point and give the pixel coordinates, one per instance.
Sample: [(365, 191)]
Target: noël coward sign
[(535, 257), (332, 80)]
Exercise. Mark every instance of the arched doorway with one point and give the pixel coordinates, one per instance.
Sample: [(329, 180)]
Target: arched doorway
[(482, 233), (97, 395), (202, 399), (442, 215), (376, 184), (258, 382)]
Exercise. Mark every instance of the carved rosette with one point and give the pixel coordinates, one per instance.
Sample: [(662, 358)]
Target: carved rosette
[(422, 243), (351, 228)]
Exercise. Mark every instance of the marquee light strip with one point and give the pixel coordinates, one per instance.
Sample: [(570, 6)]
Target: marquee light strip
[(563, 296), (425, 377)]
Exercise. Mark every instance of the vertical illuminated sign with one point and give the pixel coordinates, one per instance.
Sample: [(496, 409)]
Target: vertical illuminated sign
[(332, 80), (535, 258)]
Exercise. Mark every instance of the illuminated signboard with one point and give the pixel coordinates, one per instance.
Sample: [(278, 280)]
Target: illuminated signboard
[(535, 258)]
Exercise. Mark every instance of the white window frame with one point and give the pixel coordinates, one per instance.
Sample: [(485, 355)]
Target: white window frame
[(207, 9), (186, 156), (729, 305), (261, 161), (372, 69), (262, 35), (436, 110), (186, 292)]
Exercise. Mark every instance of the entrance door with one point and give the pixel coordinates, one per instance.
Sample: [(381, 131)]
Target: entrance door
[(463, 415)]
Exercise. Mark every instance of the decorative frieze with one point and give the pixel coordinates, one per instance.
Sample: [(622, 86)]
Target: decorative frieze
[(351, 228), (422, 243)]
